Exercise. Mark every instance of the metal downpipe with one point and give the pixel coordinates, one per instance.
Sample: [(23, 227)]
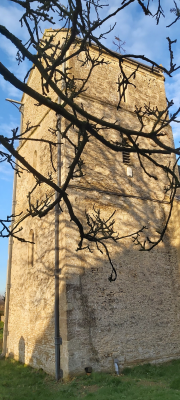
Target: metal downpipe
[(58, 342)]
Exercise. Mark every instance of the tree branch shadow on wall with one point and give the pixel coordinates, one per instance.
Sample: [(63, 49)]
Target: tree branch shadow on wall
[(134, 318)]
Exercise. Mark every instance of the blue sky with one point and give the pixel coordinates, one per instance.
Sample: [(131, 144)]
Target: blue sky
[(142, 36)]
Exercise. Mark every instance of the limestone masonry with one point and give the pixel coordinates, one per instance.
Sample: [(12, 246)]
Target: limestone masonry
[(134, 319)]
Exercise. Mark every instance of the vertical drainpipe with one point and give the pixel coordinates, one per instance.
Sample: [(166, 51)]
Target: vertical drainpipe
[(58, 340), (9, 264), (56, 272)]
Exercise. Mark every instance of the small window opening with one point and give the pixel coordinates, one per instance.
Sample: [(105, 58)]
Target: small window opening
[(123, 92), (31, 249), (126, 157), (122, 89), (35, 159)]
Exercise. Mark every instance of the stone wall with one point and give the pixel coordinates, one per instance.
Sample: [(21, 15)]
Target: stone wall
[(135, 318)]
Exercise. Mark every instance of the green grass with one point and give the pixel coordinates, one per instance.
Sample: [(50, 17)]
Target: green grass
[(147, 382)]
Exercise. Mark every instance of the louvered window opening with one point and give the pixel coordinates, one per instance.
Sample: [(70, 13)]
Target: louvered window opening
[(126, 157)]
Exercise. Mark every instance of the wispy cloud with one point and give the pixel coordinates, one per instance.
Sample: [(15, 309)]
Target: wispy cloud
[(10, 16), (9, 90), (6, 172), (6, 126)]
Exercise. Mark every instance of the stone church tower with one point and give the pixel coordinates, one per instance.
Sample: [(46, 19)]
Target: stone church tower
[(134, 319)]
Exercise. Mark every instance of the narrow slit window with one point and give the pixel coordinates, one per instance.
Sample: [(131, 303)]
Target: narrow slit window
[(123, 92), (31, 249), (126, 157), (122, 89), (35, 159)]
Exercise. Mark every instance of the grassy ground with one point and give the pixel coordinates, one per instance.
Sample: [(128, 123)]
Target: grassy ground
[(147, 382)]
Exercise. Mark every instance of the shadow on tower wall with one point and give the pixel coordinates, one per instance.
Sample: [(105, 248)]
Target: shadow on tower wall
[(134, 319)]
